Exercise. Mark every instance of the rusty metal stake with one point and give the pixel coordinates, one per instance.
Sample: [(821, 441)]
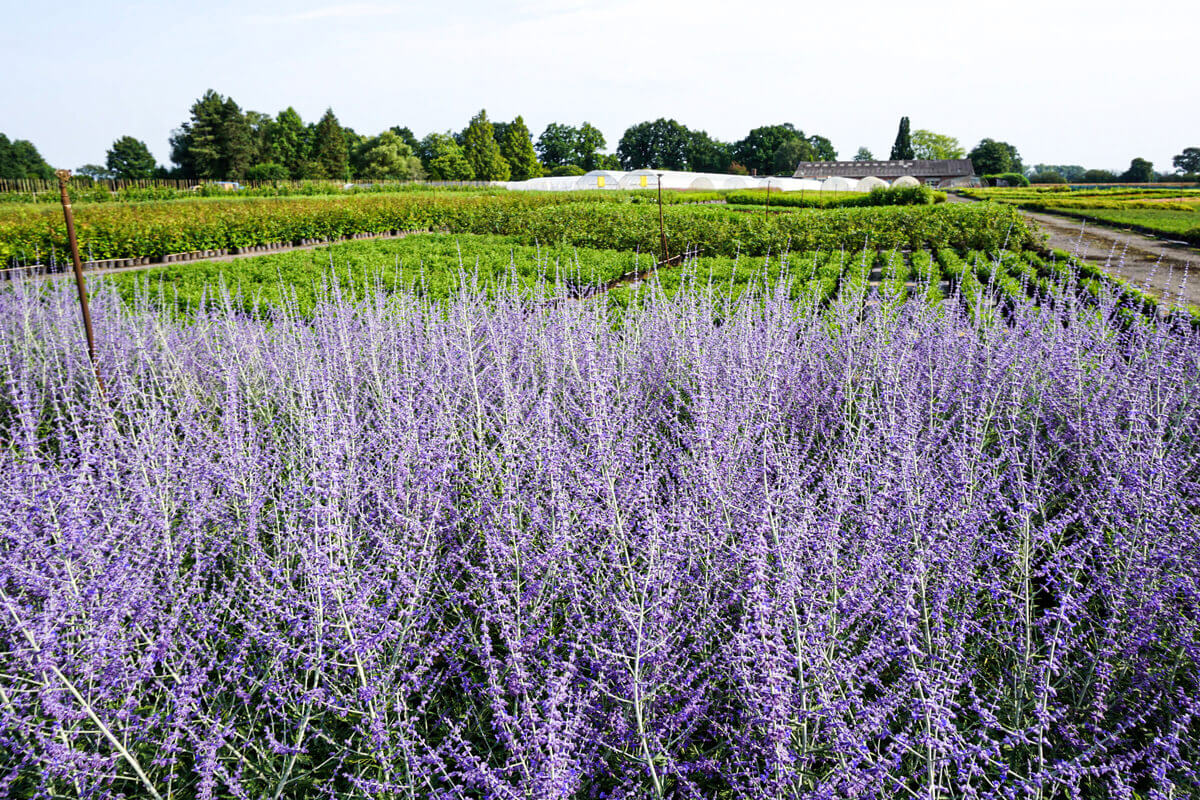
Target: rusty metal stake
[(63, 175), (662, 231)]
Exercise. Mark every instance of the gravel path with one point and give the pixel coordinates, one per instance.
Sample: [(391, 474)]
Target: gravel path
[(1154, 265)]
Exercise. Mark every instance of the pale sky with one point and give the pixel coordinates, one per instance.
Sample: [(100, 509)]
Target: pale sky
[(1088, 82)]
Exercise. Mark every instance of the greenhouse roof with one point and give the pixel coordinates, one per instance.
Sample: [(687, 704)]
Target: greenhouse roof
[(933, 168)]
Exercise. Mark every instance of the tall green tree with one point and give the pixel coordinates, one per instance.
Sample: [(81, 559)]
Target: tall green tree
[(991, 157), (260, 129), (480, 148), (902, 150), (1140, 171), (589, 141), (706, 154), (196, 145), (823, 149), (790, 154), (556, 147), (930, 145), (388, 157), (236, 142), (406, 136), (661, 144), (329, 149), (217, 141), (93, 171), (757, 150), (1188, 161), (288, 142), (444, 159), (130, 159), (20, 160), (864, 154), (516, 145)]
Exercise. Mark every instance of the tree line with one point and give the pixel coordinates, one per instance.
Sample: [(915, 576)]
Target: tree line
[(221, 141)]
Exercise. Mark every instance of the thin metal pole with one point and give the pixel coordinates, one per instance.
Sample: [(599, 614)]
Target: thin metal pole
[(63, 175), (662, 231)]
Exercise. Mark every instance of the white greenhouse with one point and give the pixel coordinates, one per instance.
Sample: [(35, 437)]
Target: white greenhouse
[(790, 184), (648, 179), (547, 184), (905, 180), (599, 179), (871, 182), (836, 184), (737, 182)]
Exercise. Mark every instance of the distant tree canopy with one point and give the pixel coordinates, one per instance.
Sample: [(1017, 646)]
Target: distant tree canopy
[(20, 160), (863, 154), (991, 157), (1071, 173), (387, 157), (1188, 161), (130, 159), (288, 144), (903, 147), (94, 171), (706, 154), (758, 150), (482, 151), (1046, 176), (444, 159), (661, 144), (1099, 176), (516, 145), (930, 145), (216, 142), (330, 150), (560, 145), (1140, 171)]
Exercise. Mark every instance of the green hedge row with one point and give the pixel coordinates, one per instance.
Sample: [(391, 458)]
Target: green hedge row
[(154, 230), (891, 196)]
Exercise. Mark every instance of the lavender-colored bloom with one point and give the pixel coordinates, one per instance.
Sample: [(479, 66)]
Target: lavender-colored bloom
[(511, 549)]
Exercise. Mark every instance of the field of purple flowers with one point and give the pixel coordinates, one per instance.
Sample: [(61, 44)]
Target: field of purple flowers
[(495, 549)]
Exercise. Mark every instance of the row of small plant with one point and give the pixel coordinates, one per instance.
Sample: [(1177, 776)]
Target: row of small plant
[(29, 234), (156, 193), (890, 196), (431, 265), (489, 548)]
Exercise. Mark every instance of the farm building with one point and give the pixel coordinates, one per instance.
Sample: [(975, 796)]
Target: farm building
[(938, 173)]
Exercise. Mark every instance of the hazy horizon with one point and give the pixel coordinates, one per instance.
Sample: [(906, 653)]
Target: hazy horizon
[(1036, 77)]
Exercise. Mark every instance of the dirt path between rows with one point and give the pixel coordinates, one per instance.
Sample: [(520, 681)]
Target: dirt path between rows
[(1153, 265)]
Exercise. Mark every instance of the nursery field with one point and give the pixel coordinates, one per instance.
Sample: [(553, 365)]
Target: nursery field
[(607, 220), (438, 266), (1173, 213), (874, 503)]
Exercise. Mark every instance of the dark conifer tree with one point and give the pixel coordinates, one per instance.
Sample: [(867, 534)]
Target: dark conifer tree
[(902, 150)]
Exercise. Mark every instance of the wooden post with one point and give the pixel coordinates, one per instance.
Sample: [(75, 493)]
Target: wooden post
[(662, 231), (63, 176)]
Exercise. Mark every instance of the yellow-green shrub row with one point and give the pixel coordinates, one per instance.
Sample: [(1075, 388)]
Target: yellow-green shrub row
[(156, 229)]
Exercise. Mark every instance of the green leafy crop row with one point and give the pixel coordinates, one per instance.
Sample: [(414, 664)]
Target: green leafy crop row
[(153, 230)]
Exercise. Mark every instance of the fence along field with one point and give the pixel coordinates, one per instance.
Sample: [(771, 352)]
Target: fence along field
[(823, 522)]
